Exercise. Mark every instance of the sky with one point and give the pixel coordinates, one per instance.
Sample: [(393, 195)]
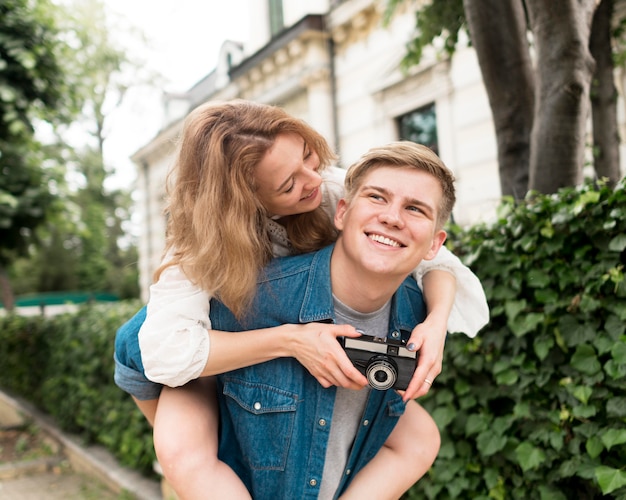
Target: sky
[(184, 39)]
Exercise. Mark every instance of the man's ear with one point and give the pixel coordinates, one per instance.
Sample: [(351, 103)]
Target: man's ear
[(342, 206), (438, 239)]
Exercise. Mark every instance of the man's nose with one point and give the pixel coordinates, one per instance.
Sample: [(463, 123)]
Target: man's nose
[(392, 215)]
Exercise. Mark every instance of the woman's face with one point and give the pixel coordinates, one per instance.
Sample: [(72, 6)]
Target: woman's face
[(287, 179)]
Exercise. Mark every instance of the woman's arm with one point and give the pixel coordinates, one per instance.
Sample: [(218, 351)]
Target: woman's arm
[(455, 302), (178, 345), (173, 339), (314, 345), (429, 337), (469, 311)]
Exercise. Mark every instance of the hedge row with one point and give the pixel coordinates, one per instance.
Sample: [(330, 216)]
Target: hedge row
[(535, 405), (64, 365)]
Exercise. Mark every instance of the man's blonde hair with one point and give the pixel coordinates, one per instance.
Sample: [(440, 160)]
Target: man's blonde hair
[(403, 154)]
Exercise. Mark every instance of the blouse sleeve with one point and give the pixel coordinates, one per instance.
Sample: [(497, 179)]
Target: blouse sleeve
[(470, 311), (174, 338)]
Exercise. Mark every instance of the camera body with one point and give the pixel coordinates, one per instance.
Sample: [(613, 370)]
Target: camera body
[(385, 362)]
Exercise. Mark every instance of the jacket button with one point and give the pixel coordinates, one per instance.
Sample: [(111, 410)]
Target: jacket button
[(313, 482), (257, 406), (322, 422), (366, 422)]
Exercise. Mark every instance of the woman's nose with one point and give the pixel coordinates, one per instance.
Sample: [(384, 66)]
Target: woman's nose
[(313, 178)]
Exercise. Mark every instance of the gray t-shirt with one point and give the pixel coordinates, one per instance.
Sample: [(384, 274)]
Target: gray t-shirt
[(349, 404)]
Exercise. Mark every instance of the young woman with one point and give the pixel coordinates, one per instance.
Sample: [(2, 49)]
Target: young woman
[(251, 182)]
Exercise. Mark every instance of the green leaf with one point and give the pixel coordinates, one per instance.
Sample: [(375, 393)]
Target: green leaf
[(513, 308), (618, 243), (582, 393), (585, 360), (542, 346), (529, 457), (618, 352), (615, 327), (594, 446), (613, 437), (526, 323), (475, 424), (616, 406), (489, 443), (584, 412), (610, 479), (508, 377), (538, 278), (443, 416)]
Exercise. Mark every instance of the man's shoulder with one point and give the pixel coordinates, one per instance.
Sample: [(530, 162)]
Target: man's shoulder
[(292, 265)]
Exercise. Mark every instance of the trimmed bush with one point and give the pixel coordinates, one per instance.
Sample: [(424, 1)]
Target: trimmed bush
[(64, 365), (535, 405)]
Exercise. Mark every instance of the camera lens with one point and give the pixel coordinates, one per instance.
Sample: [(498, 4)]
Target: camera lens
[(381, 372), (381, 376)]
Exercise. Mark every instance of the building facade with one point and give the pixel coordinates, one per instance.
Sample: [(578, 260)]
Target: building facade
[(334, 64)]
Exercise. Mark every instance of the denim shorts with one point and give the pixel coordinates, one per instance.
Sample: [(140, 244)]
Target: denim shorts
[(129, 372), (135, 382)]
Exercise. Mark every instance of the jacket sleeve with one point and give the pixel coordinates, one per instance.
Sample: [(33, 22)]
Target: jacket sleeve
[(174, 339), (470, 311)]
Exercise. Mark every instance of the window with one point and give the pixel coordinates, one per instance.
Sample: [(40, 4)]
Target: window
[(276, 16), (420, 126)]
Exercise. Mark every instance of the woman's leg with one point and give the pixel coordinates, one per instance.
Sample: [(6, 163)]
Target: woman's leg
[(148, 408), (406, 456), (186, 442)]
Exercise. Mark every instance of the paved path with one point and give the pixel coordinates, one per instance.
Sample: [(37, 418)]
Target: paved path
[(76, 472)]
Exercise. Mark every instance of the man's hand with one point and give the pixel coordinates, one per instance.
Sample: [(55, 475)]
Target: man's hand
[(429, 339), (316, 347)]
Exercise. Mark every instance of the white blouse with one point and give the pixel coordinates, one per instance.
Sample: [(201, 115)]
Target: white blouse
[(174, 338)]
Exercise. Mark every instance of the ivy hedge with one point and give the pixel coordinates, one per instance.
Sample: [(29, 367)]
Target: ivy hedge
[(64, 365), (533, 407)]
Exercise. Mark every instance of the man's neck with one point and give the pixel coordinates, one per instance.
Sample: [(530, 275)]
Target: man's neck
[(361, 291)]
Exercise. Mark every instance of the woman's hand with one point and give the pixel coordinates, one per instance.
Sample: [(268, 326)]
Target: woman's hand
[(428, 338), (316, 347)]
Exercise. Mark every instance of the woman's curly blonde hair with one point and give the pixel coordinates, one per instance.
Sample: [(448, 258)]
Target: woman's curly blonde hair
[(216, 227)]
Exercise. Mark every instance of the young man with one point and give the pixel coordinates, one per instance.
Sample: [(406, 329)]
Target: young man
[(284, 434)]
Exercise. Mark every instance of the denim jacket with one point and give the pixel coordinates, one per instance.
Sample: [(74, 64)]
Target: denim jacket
[(275, 417)]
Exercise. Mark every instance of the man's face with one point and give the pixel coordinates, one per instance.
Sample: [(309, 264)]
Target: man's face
[(390, 224)]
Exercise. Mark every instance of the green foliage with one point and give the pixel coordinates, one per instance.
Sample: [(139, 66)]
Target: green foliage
[(65, 366), (55, 62), (433, 21), (535, 405), (32, 85)]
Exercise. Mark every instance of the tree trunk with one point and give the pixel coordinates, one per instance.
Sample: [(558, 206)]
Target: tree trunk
[(6, 291), (604, 96), (498, 32), (561, 30)]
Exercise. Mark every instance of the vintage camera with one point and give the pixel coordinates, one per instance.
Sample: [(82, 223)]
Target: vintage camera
[(385, 362)]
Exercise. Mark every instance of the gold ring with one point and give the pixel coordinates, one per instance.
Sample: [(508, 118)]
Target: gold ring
[(428, 381)]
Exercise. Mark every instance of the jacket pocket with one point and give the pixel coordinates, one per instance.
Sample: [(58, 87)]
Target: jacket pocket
[(263, 419)]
